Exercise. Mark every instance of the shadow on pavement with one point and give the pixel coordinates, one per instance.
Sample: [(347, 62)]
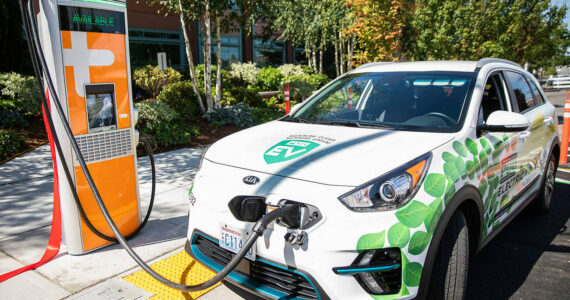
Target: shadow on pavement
[(509, 266)]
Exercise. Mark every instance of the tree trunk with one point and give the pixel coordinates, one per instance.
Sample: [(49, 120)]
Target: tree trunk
[(336, 55), (190, 59), (341, 50), (208, 56), (349, 67), (321, 52), (219, 63), (308, 53), (315, 60)]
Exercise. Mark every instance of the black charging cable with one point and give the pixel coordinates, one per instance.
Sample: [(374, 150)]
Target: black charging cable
[(39, 60)]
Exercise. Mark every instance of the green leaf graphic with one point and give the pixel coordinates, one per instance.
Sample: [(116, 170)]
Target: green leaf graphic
[(449, 191), (483, 188), (435, 184), (398, 235), (472, 146), (418, 242), (450, 170), (432, 219), (460, 165), (448, 156), (413, 274), (470, 166), (413, 214), (371, 241), (485, 145), (460, 148), (483, 161)]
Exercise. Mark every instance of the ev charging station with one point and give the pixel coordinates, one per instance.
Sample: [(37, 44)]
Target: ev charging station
[(85, 43)]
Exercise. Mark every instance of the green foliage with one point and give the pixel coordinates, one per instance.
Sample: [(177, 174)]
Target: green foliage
[(289, 70), (243, 95), (269, 79), (151, 79), (164, 123), (199, 69), (181, 97), (413, 214), (299, 88), (371, 241), (21, 92), (239, 115), (398, 235), (244, 72), (262, 115), (10, 144), (317, 80), (12, 120)]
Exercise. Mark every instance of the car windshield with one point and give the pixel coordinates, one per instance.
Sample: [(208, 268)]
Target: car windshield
[(422, 101)]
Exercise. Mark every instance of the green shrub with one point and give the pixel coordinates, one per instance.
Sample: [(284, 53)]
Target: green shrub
[(291, 70), (239, 115), (317, 80), (164, 123), (244, 72), (22, 92), (299, 88), (244, 95), (181, 97), (12, 120), (10, 144), (151, 79), (261, 115), (269, 79)]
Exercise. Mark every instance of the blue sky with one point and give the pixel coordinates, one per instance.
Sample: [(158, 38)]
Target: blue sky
[(561, 2)]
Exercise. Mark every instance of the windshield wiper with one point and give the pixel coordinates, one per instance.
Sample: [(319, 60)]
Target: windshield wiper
[(295, 119), (339, 122)]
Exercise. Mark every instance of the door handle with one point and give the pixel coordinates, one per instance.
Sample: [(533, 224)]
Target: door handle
[(548, 121), (525, 134)]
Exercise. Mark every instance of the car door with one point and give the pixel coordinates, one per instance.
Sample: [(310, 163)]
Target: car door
[(496, 153), (548, 124), (532, 140)]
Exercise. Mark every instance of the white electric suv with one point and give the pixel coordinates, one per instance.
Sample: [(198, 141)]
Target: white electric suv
[(404, 171)]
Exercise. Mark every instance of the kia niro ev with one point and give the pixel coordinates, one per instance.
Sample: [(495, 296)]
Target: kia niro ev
[(403, 172)]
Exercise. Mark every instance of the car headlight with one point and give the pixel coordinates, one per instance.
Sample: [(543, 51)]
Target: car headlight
[(390, 190), (203, 155)]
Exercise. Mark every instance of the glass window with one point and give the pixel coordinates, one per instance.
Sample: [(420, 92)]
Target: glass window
[(143, 54), (538, 98), (269, 53), (521, 90), (423, 101), (493, 97)]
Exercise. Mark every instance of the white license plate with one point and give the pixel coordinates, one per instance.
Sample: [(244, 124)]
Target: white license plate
[(234, 239)]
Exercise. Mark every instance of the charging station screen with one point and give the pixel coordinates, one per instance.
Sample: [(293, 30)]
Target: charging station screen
[(100, 102), (74, 18)]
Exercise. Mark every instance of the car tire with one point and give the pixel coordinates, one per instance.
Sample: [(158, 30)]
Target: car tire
[(544, 198), (449, 278)]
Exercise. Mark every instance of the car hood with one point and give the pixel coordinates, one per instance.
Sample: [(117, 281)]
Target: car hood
[(334, 155)]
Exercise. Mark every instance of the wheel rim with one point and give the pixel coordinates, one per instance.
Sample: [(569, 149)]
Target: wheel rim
[(549, 183)]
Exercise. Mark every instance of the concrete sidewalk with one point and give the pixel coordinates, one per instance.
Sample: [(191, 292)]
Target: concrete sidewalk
[(26, 198)]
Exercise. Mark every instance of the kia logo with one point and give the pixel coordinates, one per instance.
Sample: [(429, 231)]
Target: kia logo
[(250, 180)]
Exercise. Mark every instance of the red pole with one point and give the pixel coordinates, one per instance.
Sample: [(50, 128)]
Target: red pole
[(350, 97), (565, 131), (287, 108)]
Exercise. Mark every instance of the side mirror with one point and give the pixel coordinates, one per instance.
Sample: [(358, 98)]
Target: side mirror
[(295, 108), (504, 121)]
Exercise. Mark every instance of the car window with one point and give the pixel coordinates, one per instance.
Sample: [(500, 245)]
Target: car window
[(494, 97), (425, 101), (521, 90), (538, 98)]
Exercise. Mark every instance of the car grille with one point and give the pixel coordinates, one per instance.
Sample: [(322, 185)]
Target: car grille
[(280, 279)]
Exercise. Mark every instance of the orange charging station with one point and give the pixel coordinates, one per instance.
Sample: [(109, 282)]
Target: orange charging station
[(86, 43)]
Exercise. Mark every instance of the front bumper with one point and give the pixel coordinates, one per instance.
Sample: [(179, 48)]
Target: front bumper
[(330, 244)]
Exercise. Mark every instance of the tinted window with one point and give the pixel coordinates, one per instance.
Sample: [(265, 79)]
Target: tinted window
[(425, 101), (538, 99), (493, 97), (521, 90)]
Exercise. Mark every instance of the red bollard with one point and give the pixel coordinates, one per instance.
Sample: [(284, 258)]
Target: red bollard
[(350, 97), (565, 131), (287, 108)]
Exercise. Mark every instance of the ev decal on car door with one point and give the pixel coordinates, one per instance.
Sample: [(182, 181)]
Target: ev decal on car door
[(287, 150)]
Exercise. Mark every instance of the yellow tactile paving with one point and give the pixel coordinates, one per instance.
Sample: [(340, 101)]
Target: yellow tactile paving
[(180, 268)]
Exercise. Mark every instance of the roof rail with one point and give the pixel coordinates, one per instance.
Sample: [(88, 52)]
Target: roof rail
[(373, 64), (484, 61)]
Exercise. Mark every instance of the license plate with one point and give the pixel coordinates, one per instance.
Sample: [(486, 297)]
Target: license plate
[(234, 239)]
